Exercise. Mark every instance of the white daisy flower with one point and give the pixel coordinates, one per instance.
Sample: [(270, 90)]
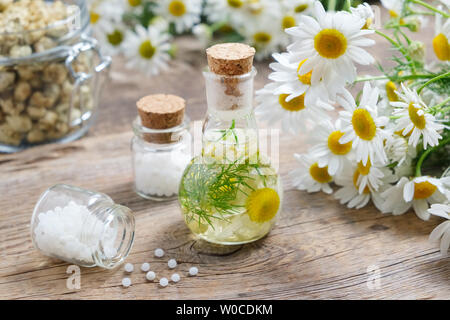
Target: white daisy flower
[(398, 150), (310, 176), (183, 13), (111, 42), (331, 43), (395, 7), (225, 10), (414, 121), (364, 11), (327, 149), (442, 231), (417, 193), (298, 7), (350, 195), (441, 42), (286, 75), (362, 125), (373, 176), (293, 114), (265, 35), (388, 94), (104, 14), (147, 49)]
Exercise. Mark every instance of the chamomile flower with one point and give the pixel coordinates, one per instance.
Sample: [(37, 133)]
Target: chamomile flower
[(298, 7), (362, 125), (147, 49), (286, 75), (225, 10), (442, 231), (293, 114), (327, 149), (414, 121), (111, 41), (395, 7), (417, 193), (331, 43), (350, 195), (264, 35), (441, 42), (364, 12), (183, 13), (373, 176), (309, 176), (398, 150), (104, 14)]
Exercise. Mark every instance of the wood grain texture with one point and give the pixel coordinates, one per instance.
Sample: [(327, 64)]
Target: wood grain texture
[(318, 249)]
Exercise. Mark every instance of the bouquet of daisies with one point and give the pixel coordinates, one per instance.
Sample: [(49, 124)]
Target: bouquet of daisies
[(388, 143), (143, 30)]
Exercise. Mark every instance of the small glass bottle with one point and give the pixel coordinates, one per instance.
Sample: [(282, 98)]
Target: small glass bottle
[(161, 146), (82, 227), (231, 194)]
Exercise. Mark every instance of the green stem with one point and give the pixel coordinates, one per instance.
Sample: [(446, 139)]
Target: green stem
[(435, 109), (428, 6), (444, 75), (426, 154), (395, 44), (331, 5), (409, 77)]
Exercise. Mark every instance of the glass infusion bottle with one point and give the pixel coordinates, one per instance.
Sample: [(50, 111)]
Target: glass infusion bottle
[(230, 194)]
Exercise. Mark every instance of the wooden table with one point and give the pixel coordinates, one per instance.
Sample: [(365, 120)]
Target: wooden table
[(318, 249)]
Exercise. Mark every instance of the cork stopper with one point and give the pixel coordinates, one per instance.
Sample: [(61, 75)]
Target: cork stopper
[(230, 59), (161, 111)]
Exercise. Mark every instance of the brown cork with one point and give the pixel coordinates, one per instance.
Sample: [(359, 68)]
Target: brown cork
[(230, 59), (160, 111)]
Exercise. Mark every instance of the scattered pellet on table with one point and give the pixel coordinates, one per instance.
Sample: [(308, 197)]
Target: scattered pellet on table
[(172, 263), (150, 276), (193, 271), (163, 282), (126, 282), (159, 253), (145, 267), (175, 277), (129, 267)]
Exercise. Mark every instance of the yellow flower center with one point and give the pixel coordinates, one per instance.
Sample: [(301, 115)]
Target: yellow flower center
[(355, 182), (134, 3), (147, 50), (336, 147), (235, 3), (418, 121), (288, 22), (300, 8), (262, 37), (294, 105), (262, 205), (423, 190), (390, 91), (367, 24), (255, 7), (177, 8), (441, 47), (94, 17), (363, 124), (115, 38), (320, 174), (393, 14), (304, 78), (364, 169), (330, 43)]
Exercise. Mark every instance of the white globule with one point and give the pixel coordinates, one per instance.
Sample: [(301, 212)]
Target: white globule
[(145, 267), (193, 271), (159, 253), (126, 282), (73, 233), (172, 263), (129, 267), (175, 277), (163, 282), (159, 173), (150, 276)]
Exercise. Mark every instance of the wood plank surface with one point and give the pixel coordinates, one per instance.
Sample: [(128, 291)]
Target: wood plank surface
[(318, 249)]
